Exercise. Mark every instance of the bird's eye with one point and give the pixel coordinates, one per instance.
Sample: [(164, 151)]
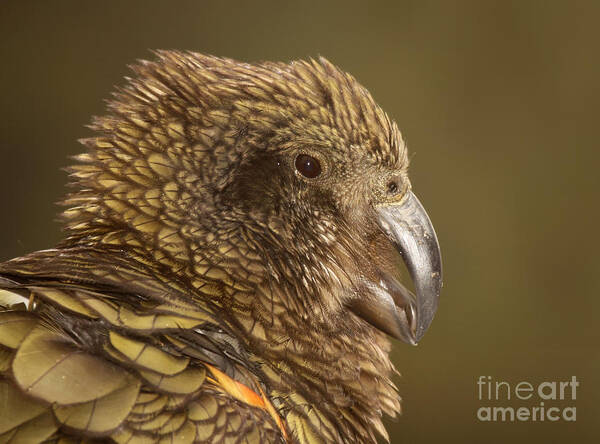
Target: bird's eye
[(308, 166)]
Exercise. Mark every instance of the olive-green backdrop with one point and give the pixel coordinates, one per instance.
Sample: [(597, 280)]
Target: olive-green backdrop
[(499, 103)]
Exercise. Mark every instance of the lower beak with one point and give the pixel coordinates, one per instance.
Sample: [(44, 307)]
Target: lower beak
[(387, 304)]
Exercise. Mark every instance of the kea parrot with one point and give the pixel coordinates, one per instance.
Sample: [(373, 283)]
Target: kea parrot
[(232, 266)]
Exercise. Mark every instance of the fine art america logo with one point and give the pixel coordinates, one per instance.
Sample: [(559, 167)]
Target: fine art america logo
[(526, 401)]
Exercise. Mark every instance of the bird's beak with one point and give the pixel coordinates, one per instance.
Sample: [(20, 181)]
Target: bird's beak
[(387, 304)]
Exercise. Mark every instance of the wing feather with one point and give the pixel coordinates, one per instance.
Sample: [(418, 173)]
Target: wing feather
[(85, 360)]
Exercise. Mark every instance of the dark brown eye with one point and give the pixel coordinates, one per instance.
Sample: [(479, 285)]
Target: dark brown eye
[(308, 166)]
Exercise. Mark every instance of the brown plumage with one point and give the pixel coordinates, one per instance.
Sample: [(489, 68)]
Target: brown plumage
[(209, 288)]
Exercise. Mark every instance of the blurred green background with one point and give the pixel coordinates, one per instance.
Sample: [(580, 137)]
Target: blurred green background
[(499, 103)]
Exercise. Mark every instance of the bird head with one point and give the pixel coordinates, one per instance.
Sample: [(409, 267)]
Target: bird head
[(280, 184)]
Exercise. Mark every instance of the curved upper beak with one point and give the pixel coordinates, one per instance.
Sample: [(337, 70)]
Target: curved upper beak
[(390, 306)]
